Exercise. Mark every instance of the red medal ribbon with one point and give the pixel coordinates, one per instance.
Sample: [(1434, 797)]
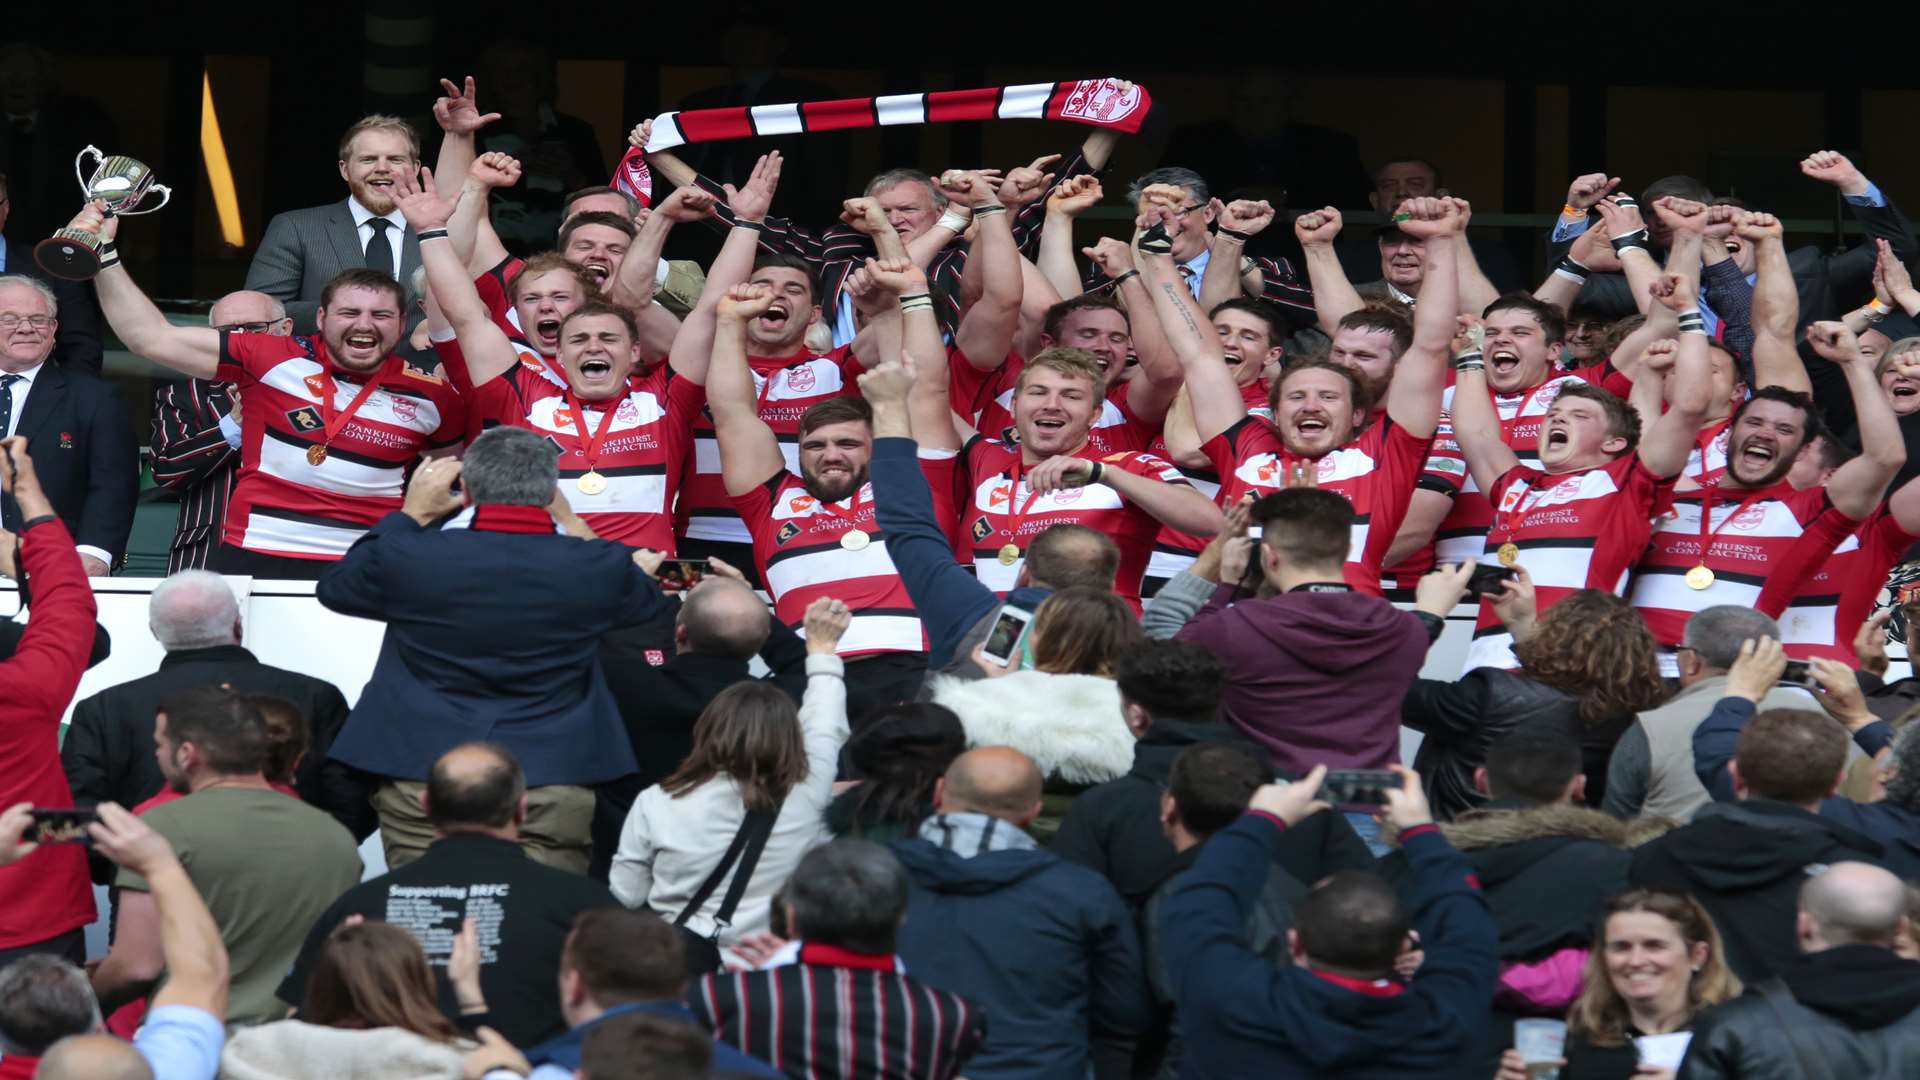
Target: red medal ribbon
[(590, 444), (333, 423)]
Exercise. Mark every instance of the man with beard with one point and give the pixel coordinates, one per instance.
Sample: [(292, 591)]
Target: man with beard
[(623, 437), (815, 531), (329, 424), (302, 250), (1320, 432), (1580, 520), (1750, 538)]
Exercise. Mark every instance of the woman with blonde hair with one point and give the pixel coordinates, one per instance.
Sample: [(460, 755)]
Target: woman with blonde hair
[(1657, 964)]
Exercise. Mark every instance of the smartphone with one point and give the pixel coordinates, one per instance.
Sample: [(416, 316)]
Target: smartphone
[(1487, 579), (679, 575), (1362, 787), (1009, 630), (1799, 673), (61, 826)]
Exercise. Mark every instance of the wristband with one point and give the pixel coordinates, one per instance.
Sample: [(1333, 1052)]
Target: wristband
[(1155, 241), (1099, 472), (1472, 360), (1691, 322), (109, 256), (1625, 200), (1234, 234), (1637, 239), (924, 303), (756, 226), (425, 235), (1880, 310), (1570, 267), (1125, 276), (904, 297), (954, 220), (988, 210), (1572, 212)]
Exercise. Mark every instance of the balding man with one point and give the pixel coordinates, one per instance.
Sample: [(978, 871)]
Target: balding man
[(476, 800), (1045, 946), (108, 752), (196, 434), (94, 1057), (1848, 1006)]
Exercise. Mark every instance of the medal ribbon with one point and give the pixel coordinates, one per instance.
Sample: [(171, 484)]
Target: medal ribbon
[(333, 423), (1014, 519), (1706, 517), (590, 444), (851, 517)]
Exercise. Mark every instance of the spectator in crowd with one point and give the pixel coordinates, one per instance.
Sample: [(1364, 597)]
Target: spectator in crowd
[(475, 870), (196, 434), (194, 615), (1338, 1008), (266, 863), (76, 340), (48, 900), (1651, 771), (670, 1049), (303, 250), (617, 963), (745, 805), (441, 678), (43, 999), (1847, 1004), (1586, 667), (369, 1008), (183, 1032), (1656, 965), (75, 425), (1548, 866), (1746, 860), (1207, 790), (844, 905), (1045, 947), (1186, 194), (898, 757)]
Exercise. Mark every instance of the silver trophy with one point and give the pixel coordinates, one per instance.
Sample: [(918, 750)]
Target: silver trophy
[(123, 184)]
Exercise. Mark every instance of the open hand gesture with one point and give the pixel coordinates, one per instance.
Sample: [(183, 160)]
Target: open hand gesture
[(458, 111)]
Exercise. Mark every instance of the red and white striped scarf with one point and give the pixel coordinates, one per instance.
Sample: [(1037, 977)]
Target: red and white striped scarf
[(1101, 102)]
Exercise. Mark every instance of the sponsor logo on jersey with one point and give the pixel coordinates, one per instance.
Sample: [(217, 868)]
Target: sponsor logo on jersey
[(656, 657), (800, 379), (787, 531), (1010, 435), (317, 385), (800, 504), (405, 408), (306, 418), (982, 529)]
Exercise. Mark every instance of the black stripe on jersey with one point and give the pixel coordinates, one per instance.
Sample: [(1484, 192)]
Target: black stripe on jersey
[(283, 514), (1560, 542), (826, 544), (1813, 601), (1756, 580), (625, 470), (334, 451)]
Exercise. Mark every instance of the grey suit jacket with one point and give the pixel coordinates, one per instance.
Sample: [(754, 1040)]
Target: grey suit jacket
[(304, 249)]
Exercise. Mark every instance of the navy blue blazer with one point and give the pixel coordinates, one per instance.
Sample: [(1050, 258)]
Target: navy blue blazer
[(493, 633)]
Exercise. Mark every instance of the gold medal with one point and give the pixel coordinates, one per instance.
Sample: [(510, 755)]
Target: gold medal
[(1508, 553), (1699, 578), (591, 483), (855, 540), (316, 454), (1009, 555)]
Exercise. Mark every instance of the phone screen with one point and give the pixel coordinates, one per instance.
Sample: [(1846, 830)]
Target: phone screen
[(61, 826), (1358, 787), (679, 575), (1004, 639), (1486, 580)]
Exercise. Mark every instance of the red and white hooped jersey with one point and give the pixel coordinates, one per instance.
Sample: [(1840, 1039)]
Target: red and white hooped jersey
[(993, 511), (1828, 608), (492, 286), (1174, 551), (1375, 472), (1116, 426), (1462, 533), (1582, 530), (787, 388), (642, 456), (797, 548), (284, 505), (1763, 545), (1707, 461)]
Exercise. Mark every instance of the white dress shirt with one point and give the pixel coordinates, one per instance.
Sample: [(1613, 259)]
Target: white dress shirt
[(362, 215), (18, 391)]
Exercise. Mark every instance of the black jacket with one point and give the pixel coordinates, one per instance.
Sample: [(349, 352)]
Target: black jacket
[(82, 446), (1745, 862), (108, 752), (1114, 828), (1851, 1011), (1462, 719)]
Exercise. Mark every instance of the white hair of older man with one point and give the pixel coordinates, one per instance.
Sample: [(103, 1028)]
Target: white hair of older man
[(194, 609), (34, 283)]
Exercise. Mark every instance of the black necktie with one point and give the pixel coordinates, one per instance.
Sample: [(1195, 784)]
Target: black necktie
[(379, 251), (6, 402)]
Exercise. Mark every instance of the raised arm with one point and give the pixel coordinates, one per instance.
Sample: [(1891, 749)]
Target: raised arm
[(1150, 392), (1627, 232), (1068, 201), (485, 346), (457, 111), (1476, 426), (926, 354), (1776, 306), (985, 333), (749, 452), (472, 236), (140, 326), (1216, 400), (1420, 378), (1138, 480), (1476, 291), (1665, 443), (1857, 487), (1235, 223), (1333, 295), (633, 286), (733, 266)]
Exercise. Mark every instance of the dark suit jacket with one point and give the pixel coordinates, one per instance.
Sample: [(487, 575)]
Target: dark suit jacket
[(491, 635), (303, 250), (108, 752), (76, 345), (82, 446)]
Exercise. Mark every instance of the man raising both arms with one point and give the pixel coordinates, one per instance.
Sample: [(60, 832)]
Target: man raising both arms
[(1320, 429), (330, 422)]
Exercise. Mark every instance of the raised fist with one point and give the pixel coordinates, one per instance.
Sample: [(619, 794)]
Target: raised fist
[(1167, 195), (687, 203), (1720, 220), (1589, 189), (1832, 167), (897, 276), (1681, 215), (1676, 292), (1317, 226), (1113, 257), (865, 216), (1429, 217), (641, 133), (1660, 356), (1244, 215), (1075, 195), (744, 301), (1026, 183), (495, 170), (1833, 341), (971, 188), (1468, 334), (1755, 226)]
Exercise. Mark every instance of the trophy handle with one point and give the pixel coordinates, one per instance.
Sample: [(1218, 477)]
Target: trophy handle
[(166, 194), (86, 189)]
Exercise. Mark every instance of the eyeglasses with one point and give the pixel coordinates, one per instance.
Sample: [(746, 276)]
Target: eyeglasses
[(247, 327), (9, 321)]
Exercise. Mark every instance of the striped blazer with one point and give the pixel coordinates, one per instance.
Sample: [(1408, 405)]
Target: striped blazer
[(191, 457), (843, 1015)]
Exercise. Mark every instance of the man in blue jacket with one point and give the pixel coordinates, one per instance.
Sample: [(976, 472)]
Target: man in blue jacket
[(1339, 1011), (492, 636), (1044, 946)]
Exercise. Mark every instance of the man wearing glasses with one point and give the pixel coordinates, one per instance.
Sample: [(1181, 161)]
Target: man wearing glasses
[(196, 434), (75, 426)]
